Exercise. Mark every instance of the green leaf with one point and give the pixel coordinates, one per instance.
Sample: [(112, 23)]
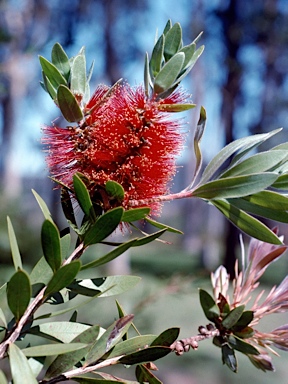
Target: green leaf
[(208, 305), (237, 186), (163, 226), (229, 358), (67, 207), (109, 339), (63, 277), (16, 257), (157, 56), (65, 242), (64, 331), (68, 105), (20, 368), (78, 75), (3, 379), (281, 182), (231, 319), (173, 41), (52, 349), (131, 345), (190, 65), (52, 73), (269, 199), (115, 190), (246, 144), (146, 355), (166, 338), (49, 87), (149, 238), (168, 74), (197, 138), (147, 79), (176, 107), (89, 380), (143, 375), (241, 346), (50, 239), (110, 256), (244, 321), (167, 27), (18, 293), (104, 226), (135, 214), (82, 196), (60, 60), (260, 162), (246, 223), (42, 205), (106, 286), (269, 213), (189, 51), (41, 273), (66, 361)]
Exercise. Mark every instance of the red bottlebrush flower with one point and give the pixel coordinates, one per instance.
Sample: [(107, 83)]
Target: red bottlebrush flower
[(125, 137)]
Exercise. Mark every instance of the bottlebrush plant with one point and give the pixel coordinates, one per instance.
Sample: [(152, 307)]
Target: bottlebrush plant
[(113, 162)]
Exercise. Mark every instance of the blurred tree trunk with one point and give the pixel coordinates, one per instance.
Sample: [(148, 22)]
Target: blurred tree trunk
[(230, 94)]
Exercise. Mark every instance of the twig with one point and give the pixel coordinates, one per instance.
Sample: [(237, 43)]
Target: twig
[(184, 345), (13, 335)]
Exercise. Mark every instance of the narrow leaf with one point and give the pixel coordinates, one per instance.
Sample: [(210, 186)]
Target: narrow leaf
[(166, 338), (52, 73), (50, 239), (168, 74), (78, 75), (104, 226), (42, 205), (115, 190), (260, 162), (110, 256), (60, 60), (208, 305), (241, 346), (147, 239), (66, 361), (229, 358), (49, 87), (143, 375), (147, 80), (16, 257), (167, 27), (190, 65), (232, 318), (82, 196), (106, 286), (67, 206), (189, 51), (145, 356), (157, 56), (3, 379), (173, 40), (269, 213), (20, 368), (269, 199), (52, 349), (109, 339), (246, 223), (41, 273), (237, 186), (135, 214), (176, 107), (68, 105), (63, 277), (225, 153), (18, 293), (163, 226)]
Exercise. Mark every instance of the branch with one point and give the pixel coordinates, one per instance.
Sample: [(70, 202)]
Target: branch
[(184, 345), (13, 335)]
